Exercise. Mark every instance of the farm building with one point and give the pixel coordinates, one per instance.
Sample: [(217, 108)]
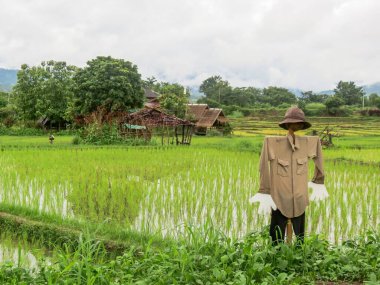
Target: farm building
[(151, 98), (206, 118), (169, 127), (47, 123)]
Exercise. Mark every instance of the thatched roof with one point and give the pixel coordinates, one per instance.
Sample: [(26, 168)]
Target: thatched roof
[(210, 117), (150, 94), (196, 110), (153, 117), (205, 116)]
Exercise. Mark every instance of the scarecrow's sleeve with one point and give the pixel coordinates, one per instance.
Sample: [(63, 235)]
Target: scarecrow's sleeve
[(316, 155), (264, 168)]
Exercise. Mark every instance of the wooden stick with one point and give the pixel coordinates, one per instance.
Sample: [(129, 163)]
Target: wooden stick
[(289, 232)]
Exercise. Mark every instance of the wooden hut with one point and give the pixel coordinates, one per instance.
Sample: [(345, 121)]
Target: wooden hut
[(206, 118), (169, 127), (151, 98)]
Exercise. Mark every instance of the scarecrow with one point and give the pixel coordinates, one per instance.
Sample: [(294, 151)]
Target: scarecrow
[(51, 138), (284, 182)]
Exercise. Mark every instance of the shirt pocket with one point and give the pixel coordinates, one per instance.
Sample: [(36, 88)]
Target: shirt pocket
[(301, 165), (282, 167)]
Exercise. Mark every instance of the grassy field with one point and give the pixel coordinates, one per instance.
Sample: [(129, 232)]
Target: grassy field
[(123, 192)]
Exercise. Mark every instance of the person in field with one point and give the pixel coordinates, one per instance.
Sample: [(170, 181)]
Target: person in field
[(283, 190)]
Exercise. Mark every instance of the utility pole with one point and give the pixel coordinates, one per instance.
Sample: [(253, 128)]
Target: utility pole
[(363, 101)]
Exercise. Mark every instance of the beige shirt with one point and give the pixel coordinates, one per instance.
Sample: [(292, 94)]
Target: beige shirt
[(284, 171)]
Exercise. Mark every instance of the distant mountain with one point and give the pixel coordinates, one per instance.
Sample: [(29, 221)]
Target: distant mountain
[(8, 78), (327, 92), (373, 88)]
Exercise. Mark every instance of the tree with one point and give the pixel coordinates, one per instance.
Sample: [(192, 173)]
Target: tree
[(174, 98), (112, 83), (276, 96), (3, 99), (242, 96), (215, 88), (27, 90), (333, 103), (374, 100), (57, 90), (311, 97), (44, 90), (349, 92), (150, 82)]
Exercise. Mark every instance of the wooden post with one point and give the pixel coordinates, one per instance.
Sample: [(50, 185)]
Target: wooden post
[(289, 232)]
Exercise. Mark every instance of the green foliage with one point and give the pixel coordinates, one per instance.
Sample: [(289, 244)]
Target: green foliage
[(276, 96), (315, 109), (211, 103), (173, 98), (44, 91), (107, 134), (114, 84), (236, 114), (3, 99), (333, 104), (311, 97), (209, 257), (17, 131), (215, 88), (8, 116), (76, 140), (374, 100), (349, 93), (219, 92)]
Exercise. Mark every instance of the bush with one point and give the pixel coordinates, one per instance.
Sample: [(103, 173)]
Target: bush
[(315, 109), (237, 114), (76, 140), (107, 134), (370, 112), (17, 131), (214, 133)]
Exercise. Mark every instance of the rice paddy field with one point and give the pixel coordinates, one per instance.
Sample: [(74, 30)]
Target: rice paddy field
[(164, 191)]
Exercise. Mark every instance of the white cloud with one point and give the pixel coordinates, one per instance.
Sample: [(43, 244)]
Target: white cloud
[(292, 43)]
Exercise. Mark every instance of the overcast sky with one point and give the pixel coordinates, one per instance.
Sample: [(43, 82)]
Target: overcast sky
[(306, 44)]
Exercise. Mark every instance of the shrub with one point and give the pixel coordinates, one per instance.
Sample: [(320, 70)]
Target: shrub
[(76, 140), (315, 109), (237, 114)]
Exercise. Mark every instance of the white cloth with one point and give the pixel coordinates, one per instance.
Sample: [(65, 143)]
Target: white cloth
[(319, 191), (266, 203)]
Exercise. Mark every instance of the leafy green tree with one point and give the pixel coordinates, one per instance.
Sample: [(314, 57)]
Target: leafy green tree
[(211, 103), (44, 90), (112, 83), (242, 96), (276, 96), (57, 90), (349, 92), (173, 98), (215, 88), (27, 90), (333, 103), (150, 83), (373, 99), (3, 99), (311, 97)]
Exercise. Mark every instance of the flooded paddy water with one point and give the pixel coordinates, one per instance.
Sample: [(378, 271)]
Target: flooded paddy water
[(164, 190)]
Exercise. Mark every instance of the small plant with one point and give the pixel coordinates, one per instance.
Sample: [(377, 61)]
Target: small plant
[(76, 140)]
